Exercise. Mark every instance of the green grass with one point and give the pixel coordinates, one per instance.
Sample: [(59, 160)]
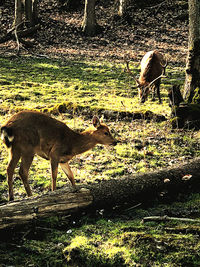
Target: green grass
[(31, 83), (118, 238), (56, 86)]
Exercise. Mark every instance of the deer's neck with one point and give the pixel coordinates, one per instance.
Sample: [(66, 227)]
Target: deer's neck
[(84, 142)]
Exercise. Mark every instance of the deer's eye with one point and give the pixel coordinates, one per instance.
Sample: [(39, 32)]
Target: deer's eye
[(106, 133)]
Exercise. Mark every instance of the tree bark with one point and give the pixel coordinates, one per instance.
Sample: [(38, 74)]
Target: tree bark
[(29, 11), (18, 12), (61, 201), (132, 189), (192, 81), (187, 115), (122, 7), (89, 21), (35, 12)]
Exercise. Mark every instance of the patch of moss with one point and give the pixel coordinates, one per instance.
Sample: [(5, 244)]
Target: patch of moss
[(66, 107), (112, 244)]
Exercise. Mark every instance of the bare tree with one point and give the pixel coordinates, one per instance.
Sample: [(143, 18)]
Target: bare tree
[(18, 12), (28, 10), (35, 11), (89, 21), (188, 114), (192, 81), (123, 4), (29, 13)]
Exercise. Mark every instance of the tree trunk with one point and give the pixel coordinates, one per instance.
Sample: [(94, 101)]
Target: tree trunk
[(187, 115), (18, 13), (132, 189), (29, 11), (89, 21), (192, 82), (35, 12), (122, 7)]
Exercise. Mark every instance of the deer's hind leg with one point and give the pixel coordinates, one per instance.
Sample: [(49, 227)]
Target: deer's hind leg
[(26, 162), (14, 157), (158, 91)]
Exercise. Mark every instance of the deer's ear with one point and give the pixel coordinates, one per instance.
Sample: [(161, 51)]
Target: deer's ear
[(96, 122)]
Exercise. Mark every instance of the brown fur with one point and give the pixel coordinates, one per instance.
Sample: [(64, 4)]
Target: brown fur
[(28, 133), (151, 68)]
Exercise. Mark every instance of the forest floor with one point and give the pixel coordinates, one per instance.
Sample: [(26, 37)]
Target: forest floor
[(64, 71), (148, 25)]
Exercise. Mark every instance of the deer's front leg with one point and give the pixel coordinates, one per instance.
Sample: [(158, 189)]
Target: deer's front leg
[(54, 172), (65, 167)]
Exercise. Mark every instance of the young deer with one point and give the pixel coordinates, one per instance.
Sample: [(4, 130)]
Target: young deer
[(29, 132)]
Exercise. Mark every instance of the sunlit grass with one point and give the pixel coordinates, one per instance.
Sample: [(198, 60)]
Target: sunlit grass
[(46, 85), (50, 85), (99, 84)]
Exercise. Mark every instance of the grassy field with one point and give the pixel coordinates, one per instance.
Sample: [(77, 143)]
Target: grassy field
[(103, 240)]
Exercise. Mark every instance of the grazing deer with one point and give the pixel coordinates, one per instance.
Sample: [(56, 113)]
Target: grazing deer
[(29, 132), (153, 67)]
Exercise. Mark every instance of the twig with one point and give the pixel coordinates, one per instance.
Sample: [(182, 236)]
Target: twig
[(131, 208), (39, 56), (158, 5), (183, 230), (14, 27), (20, 34), (166, 218), (17, 40)]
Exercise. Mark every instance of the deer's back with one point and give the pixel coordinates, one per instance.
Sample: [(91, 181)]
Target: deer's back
[(34, 127), (151, 66)]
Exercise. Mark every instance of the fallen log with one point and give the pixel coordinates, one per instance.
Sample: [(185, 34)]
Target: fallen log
[(24, 211), (144, 187)]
